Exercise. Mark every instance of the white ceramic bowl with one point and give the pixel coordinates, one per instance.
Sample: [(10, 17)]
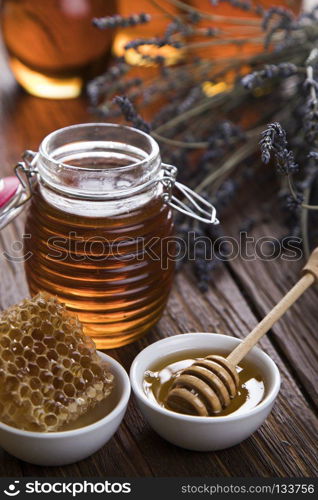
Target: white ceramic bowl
[(202, 433), (69, 446)]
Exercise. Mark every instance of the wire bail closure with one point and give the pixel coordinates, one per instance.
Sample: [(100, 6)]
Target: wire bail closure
[(202, 206), (25, 172)]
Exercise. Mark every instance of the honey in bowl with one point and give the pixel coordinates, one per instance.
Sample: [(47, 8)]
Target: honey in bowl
[(159, 379)]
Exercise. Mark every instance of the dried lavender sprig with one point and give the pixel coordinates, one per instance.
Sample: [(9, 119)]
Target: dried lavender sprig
[(274, 132), (107, 108), (293, 202), (119, 87), (258, 78), (274, 140), (310, 85), (120, 21), (284, 22), (174, 27), (226, 131), (286, 17), (226, 193), (194, 17), (188, 30), (158, 42), (210, 31), (95, 88), (245, 5), (310, 121), (130, 113), (193, 96), (225, 135)]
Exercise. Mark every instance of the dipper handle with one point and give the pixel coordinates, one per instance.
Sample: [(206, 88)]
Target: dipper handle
[(310, 275)]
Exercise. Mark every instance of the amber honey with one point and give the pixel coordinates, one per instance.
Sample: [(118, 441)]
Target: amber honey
[(118, 292), (160, 377)]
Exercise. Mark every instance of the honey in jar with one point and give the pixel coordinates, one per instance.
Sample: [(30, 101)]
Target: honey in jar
[(160, 377), (97, 226)]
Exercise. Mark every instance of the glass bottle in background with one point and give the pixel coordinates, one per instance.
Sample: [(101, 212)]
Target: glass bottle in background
[(53, 47)]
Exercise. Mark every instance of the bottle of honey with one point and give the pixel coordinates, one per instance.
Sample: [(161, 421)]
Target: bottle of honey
[(53, 46)]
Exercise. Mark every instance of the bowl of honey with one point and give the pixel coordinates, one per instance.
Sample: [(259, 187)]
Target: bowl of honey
[(156, 368)]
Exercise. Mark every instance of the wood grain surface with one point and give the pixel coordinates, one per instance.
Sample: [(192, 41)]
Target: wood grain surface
[(240, 293)]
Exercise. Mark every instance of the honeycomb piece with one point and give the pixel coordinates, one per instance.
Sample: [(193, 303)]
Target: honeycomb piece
[(50, 372)]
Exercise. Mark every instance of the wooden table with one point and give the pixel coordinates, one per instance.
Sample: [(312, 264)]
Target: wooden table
[(239, 295)]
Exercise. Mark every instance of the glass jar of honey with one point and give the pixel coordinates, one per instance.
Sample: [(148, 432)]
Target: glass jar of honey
[(99, 230)]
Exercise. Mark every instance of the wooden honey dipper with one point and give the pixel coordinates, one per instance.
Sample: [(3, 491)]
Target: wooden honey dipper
[(207, 387)]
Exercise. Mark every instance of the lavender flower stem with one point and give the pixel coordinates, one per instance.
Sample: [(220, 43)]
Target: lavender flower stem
[(233, 161), (163, 10), (215, 17), (309, 207), (206, 104), (304, 222), (310, 76), (291, 187), (180, 144), (234, 41)]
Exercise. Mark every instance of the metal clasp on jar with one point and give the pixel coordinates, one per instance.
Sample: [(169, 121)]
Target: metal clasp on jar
[(203, 210)]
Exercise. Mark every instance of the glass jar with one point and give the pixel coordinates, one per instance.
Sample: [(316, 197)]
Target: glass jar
[(53, 46), (99, 230)]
